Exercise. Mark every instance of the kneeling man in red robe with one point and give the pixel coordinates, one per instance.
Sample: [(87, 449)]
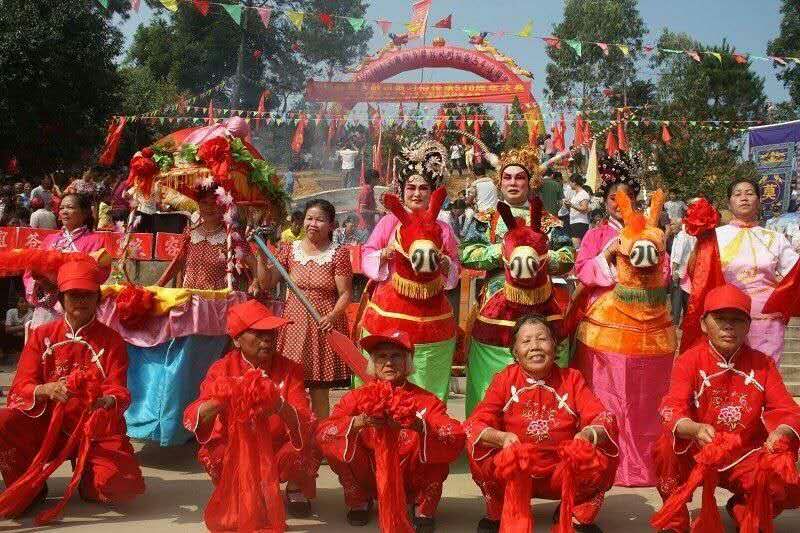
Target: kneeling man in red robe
[(67, 402), (254, 422), (727, 415), (401, 429)]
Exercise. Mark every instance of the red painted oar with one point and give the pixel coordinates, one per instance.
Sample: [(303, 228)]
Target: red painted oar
[(341, 344)]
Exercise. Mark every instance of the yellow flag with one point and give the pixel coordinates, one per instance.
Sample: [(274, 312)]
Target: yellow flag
[(412, 27), (296, 17), (717, 55), (172, 5), (526, 30), (625, 49)]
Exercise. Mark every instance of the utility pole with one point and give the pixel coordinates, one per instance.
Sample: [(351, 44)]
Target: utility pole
[(237, 86)]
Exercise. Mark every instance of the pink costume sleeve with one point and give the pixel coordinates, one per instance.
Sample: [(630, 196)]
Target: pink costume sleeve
[(371, 263), (450, 242), (336, 437), (591, 266), (442, 437)]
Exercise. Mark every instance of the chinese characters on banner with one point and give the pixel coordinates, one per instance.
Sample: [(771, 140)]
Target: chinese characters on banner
[(476, 92), (774, 151)]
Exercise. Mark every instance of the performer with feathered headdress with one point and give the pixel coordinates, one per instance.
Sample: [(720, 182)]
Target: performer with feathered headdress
[(412, 258)]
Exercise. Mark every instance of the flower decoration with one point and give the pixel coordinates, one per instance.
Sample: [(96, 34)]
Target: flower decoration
[(216, 154), (143, 169), (134, 305), (701, 216)]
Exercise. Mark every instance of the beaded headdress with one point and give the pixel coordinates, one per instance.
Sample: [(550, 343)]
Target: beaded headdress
[(427, 159)]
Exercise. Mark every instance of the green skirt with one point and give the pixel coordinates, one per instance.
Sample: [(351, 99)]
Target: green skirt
[(432, 365), (486, 360)]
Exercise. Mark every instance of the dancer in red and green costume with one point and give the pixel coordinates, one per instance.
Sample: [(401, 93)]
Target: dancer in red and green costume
[(517, 168)]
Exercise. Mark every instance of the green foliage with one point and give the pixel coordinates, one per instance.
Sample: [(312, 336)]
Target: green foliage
[(788, 44), (518, 129), (58, 81), (577, 82)]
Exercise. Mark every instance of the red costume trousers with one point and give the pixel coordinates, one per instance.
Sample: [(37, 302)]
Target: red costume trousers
[(588, 499), (293, 465), (672, 470), (112, 473), (423, 481)]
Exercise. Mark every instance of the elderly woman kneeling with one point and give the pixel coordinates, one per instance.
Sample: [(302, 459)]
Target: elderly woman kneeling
[(392, 424), (541, 407)]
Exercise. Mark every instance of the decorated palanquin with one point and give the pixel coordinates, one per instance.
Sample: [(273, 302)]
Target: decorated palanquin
[(527, 289), (175, 334), (626, 341)]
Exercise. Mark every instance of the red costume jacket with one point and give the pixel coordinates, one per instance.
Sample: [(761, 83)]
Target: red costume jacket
[(441, 440), (54, 350), (743, 395), (542, 412), (287, 376)]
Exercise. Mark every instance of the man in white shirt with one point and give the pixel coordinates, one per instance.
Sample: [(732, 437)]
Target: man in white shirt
[(456, 161), (348, 156), (682, 246), (14, 335), (44, 191), (675, 207), (578, 205), (42, 217)]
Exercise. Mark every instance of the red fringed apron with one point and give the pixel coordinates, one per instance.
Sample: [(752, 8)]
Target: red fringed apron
[(84, 386), (708, 461), (247, 497)]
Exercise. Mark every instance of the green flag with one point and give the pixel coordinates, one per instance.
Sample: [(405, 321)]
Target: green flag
[(575, 45), (235, 11), (103, 3), (356, 23)]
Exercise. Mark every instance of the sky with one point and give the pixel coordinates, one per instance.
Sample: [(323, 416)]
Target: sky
[(747, 25)]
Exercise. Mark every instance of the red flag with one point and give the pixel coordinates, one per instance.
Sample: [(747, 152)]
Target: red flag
[(665, 136), (135, 5), (611, 144), (578, 139), (202, 6), (740, 58), (261, 107), (12, 168), (440, 125), (505, 124), (587, 132), (555, 42), (603, 47), (623, 139), (385, 25), (446, 23), (112, 142), (462, 126), (299, 133), (327, 20), (562, 134), (211, 119)]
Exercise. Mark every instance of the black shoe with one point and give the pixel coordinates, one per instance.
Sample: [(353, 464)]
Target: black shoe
[(488, 526), (358, 517), (587, 528), (298, 508), (423, 524)]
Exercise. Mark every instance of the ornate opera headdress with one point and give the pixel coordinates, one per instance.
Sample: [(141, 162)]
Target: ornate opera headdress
[(617, 170), (426, 159), (526, 157)]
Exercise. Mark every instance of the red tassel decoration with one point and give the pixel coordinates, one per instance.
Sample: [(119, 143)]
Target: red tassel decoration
[(579, 460), (621, 136), (708, 460), (611, 144), (665, 135), (515, 465), (775, 468)]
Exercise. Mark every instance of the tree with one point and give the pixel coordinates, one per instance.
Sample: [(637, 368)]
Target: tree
[(788, 44), (705, 103), (577, 81), (58, 81), (517, 129)]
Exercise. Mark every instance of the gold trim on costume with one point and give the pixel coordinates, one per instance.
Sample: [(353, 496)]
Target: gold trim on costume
[(415, 289), (512, 323), (402, 316), (524, 296)]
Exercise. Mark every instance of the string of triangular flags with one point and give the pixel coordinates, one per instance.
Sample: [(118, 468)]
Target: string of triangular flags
[(329, 21)]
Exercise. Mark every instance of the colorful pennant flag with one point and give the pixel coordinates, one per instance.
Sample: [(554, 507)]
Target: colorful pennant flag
[(296, 17), (611, 144), (555, 42), (264, 13), (740, 58), (419, 18), (103, 3), (172, 5), (778, 60), (356, 23), (526, 30), (625, 49), (717, 55), (385, 25), (202, 6), (603, 47), (694, 55), (235, 11), (471, 32), (446, 23), (135, 5), (665, 135), (575, 45), (327, 20)]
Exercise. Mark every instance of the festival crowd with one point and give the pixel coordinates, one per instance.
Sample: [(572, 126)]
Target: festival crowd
[(578, 378)]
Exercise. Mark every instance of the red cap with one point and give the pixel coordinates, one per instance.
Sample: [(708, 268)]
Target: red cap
[(80, 275), (726, 297), (400, 338), (252, 314)]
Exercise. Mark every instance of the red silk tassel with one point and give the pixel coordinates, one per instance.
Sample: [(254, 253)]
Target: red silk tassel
[(706, 274), (784, 298), (516, 465), (392, 516), (580, 461), (611, 144), (708, 460), (775, 468)]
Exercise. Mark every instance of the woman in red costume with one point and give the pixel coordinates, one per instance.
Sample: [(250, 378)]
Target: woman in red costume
[(415, 462), (535, 402), (721, 389), (45, 408), (289, 424)]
